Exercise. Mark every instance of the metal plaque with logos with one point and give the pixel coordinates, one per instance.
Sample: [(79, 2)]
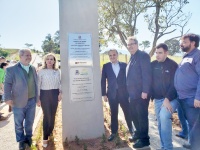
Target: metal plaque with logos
[(80, 49), (81, 84)]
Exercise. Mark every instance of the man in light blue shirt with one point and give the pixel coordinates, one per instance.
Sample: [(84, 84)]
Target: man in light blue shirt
[(114, 73), (187, 84)]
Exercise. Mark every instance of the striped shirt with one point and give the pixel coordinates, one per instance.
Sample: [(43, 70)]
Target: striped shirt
[(48, 79)]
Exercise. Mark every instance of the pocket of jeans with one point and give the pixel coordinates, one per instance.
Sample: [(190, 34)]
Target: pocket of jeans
[(190, 102)]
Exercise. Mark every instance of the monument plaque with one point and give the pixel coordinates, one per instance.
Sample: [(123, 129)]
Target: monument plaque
[(82, 110), (81, 83), (80, 51)]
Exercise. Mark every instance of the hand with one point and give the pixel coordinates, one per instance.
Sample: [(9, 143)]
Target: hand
[(105, 98), (39, 103), (59, 97), (9, 102), (167, 105), (196, 103), (144, 95)]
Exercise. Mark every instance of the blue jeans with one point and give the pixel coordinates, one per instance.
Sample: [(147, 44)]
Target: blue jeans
[(193, 117), (184, 123), (164, 118), (24, 118)]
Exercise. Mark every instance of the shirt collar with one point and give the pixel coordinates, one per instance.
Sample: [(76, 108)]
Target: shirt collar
[(115, 63), (191, 53), (25, 67)]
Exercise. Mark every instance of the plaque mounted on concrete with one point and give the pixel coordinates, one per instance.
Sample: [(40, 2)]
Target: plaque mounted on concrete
[(81, 84), (80, 51), (79, 44)]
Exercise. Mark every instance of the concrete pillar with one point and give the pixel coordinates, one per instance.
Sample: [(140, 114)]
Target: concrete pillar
[(82, 109)]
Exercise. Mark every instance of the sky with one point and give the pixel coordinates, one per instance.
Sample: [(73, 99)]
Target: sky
[(29, 21)]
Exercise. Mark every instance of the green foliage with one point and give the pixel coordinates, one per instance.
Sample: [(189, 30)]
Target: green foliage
[(173, 46), (66, 142), (28, 45), (145, 44), (4, 53), (77, 140), (51, 44), (85, 146), (118, 19), (103, 138), (117, 140)]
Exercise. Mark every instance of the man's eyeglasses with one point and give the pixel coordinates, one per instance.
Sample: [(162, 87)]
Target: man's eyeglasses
[(131, 44)]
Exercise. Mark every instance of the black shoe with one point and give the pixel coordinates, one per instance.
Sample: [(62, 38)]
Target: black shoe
[(187, 146), (133, 138), (29, 142), (140, 144), (111, 137), (22, 146), (181, 136)]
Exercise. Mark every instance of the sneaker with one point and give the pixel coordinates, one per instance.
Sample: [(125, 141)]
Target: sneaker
[(181, 136), (187, 146), (140, 144)]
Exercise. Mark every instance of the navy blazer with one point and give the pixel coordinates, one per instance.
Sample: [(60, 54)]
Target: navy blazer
[(113, 83), (139, 75)]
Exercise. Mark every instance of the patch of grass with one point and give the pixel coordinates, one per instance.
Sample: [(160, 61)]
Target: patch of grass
[(84, 146), (37, 135), (77, 140), (103, 138)]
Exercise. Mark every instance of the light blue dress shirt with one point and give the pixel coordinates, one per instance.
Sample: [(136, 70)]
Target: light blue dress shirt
[(116, 68)]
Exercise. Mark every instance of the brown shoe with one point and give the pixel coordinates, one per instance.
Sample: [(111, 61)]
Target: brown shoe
[(3, 118)]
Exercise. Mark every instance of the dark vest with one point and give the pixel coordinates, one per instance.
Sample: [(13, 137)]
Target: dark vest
[(31, 84)]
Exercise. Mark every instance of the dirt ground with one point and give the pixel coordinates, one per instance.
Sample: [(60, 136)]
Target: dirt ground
[(101, 143)]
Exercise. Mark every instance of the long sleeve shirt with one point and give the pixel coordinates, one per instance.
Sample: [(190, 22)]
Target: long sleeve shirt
[(187, 77), (2, 75), (48, 79), (163, 79)]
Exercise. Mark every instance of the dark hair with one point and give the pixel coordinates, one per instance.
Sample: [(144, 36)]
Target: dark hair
[(3, 64), (162, 45), (193, 38)]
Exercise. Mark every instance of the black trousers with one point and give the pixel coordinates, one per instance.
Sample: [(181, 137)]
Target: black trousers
[(139, 113), (124, 103), (49, 103)]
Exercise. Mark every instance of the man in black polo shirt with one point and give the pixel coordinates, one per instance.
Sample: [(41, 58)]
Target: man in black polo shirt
[(164, 94)]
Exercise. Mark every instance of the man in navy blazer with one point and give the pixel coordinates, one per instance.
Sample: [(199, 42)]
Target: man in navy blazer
[(115, 74), (138, 80)]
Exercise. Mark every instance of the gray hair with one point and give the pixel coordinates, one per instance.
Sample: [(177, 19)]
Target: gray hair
[(22, 51), (113, 50), (132, 38)]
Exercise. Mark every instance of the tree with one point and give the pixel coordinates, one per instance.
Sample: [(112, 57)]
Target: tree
[(145, 44), (57, 42), (28, 45), (166, 19), (51, 44), (173, 46), (118, 19)]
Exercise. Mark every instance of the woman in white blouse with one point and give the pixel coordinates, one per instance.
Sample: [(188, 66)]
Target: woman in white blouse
[(49, 94)]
